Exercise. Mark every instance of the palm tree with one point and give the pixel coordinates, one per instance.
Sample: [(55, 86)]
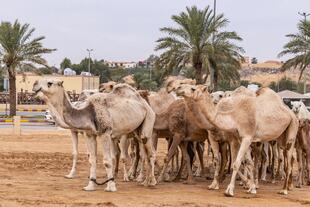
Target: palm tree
[(198, 41), (18, 49), (299, 47)]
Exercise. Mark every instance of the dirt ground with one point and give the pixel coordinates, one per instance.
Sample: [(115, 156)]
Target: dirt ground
[(32, 169)]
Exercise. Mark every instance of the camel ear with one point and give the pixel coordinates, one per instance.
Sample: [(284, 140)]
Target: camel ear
[(60, 83)]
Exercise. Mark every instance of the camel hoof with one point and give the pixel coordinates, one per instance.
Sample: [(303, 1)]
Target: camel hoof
[(298, 186), (126, 178), (197, 173), (70, 175), (273, 181), (152, 181), (139, 179), (145, 182), (189, 182), (214, 186), (252, 191), (111, 187), (160, 179), (90, 187), (229, 191), (283, 192)]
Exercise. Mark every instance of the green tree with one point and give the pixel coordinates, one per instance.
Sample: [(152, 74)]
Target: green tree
[(18, 48), (65, 63), (199, 41), (299, 47)]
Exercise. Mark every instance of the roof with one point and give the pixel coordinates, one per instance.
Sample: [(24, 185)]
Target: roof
[(292, 95)]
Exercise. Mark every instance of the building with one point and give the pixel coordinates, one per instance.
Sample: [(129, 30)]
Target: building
[(72, 83), (126, 65), (289, 96)]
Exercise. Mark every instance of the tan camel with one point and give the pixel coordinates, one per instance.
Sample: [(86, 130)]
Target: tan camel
[(303, 147), (253, 118), (103, 115)]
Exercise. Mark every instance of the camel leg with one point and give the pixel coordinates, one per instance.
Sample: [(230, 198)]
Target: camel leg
[(244, 147), (265, 162), (224, 159), (180, 170), (216, 159), (175, 143), (106, 144), (200, 150), (135, 156), (92, 150), (300, 168), (190, 179), (308, 166), (288, 169), (250, 167), (124, 144), (275, 161), (74, 137), (115, 153), (142, 155), (151, 159)]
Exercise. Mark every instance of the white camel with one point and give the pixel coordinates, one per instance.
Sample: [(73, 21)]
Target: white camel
[(300, 110)]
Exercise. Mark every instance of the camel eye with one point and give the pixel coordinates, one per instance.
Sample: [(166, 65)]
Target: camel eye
[(193, 89), (49, 84), (221, 96)]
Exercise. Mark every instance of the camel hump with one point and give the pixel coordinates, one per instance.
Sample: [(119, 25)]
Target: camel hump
[(125, 90), (262, 90)]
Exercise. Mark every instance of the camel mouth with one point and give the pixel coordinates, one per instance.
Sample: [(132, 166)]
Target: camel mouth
[(37, 91)]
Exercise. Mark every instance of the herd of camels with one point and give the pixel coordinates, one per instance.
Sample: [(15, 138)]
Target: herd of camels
[(248, 133)]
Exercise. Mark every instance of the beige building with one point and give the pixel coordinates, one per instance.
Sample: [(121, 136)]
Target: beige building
[(75, 83)]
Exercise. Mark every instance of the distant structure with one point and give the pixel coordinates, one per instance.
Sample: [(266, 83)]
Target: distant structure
[(69, 71), (125, 65), (84, 73), (72, 83)]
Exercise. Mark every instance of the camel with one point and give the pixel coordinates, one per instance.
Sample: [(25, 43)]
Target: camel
[(176, 121), (103, 115), (303, 147), (253, 118), (300, 110), (74, 133)]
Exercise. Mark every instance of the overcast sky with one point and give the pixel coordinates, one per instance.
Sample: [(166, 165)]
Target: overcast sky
[(125, 30)]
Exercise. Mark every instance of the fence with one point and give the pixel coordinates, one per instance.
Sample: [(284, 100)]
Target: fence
[(27, 98)]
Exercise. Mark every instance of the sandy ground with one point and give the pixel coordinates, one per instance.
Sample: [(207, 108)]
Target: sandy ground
[(32, 169)]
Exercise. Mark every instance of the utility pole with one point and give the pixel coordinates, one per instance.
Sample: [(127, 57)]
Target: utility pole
[(89, 51), (305, 15)]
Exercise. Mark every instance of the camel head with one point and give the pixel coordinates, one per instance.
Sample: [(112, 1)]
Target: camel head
[(107, 87), (86, 93), (192, 91), (47, 88), (296, 106), (172, 83), (217, 96)]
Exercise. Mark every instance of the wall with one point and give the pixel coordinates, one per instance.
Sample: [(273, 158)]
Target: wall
[(71, 83)]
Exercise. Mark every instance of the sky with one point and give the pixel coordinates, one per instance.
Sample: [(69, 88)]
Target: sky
[(126, 30)]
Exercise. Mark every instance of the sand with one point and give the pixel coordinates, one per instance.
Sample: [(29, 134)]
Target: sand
[(32, 169)]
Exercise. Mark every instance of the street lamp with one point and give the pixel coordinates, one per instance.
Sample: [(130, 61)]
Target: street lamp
[(304, 14), (89, 51)]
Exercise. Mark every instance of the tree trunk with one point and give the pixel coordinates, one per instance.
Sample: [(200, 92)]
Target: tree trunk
[(12, 83), (215, 80), (198, 75)]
